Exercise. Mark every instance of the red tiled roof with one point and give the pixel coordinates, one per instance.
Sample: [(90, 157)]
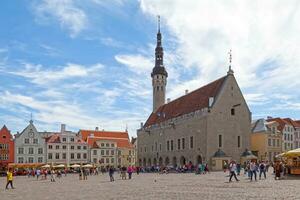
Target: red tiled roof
[(121, 143), (121, 138), (107, 134), (53, 139), (292, 122), (280, 121), (191, 102)]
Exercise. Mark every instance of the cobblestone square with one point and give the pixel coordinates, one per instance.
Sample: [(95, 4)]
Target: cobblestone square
[(151, 186)]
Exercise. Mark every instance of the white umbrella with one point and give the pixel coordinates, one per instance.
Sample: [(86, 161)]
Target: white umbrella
[(75, 166), (45, 166), (59, 166), (88, 165)]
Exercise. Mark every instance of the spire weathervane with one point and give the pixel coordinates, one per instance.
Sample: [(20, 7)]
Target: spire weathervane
[(230, 71), (158, 23), (31, 121)]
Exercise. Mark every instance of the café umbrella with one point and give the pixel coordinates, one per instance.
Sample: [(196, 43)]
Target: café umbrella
[(292, 153)]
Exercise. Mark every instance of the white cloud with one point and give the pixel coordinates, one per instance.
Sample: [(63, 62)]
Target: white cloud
[(256, 31), (68, 15), (38, 75), (136, 63)]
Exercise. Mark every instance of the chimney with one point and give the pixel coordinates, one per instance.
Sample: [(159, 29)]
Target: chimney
[(168, 100), (62, 128), (186, 92), (97, 128), (142, 124)]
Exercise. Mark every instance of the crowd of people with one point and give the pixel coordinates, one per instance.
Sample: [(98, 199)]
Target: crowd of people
[(254, 170)]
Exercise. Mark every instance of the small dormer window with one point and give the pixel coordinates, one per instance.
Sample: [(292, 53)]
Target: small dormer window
[(232, 111)]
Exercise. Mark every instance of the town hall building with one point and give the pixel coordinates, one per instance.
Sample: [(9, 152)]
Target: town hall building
[(211, 124)]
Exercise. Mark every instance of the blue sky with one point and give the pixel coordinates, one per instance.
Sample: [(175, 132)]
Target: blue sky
[(88, 63)]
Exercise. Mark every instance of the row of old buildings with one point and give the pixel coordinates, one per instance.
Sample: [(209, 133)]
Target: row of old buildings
[(102, 148), (272, 136)]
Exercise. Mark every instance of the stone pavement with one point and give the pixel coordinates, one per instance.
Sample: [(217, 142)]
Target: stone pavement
[(151, 186)]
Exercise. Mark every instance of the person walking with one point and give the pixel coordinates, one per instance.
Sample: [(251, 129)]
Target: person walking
[(9, 176), (52, 174), (232, 168), (129, 171), (111, 174), (262, 170), (38, 173), (253, 169)]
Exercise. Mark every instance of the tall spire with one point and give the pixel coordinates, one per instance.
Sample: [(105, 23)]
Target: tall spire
[(230, 71), (158, 23)]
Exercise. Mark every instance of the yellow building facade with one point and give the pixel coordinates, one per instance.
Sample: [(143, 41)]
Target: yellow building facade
[(265, 140)]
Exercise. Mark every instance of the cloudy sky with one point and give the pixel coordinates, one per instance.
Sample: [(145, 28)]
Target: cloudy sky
[(87, 63)]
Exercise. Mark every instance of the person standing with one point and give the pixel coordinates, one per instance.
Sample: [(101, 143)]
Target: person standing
[(238, 169), (9, 176), (262, 170), (232, 168), (52, 175), (111, 174), (253, 169), (38, 173)]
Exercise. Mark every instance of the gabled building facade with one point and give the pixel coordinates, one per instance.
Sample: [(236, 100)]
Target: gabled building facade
[(102, 140), (66, 148), (265, 140), (6, 148), (30, 146), (192, 128)]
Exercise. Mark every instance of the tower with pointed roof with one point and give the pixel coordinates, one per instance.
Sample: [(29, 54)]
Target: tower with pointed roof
[(159, 74)]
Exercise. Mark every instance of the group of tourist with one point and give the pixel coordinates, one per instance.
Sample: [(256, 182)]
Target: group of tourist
[(254, 170)]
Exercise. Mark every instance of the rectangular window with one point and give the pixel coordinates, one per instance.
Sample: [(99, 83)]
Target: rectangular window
[(269, 142), (155, 146), (20, 150), (112, 160), (26, 141), (102, 144), (239, 141), (220, 141), (20, 160), (285, 136), (30, 160), (232, 111), (35, 141), (40, 150), (56, 155), (107, 152), (145, 149), (64, 156), (94, 152), (78, 156), (183, 143), (84, 147), (152, 148), (64, 139), (49, 146), (72, 147), (102, 152), (172, 145), (278, 142), (64, 147), (178, 144), (107, 144), (159, 147), (168, 145), (102, 160), (78, 147), (30, 150), (57, 147), (40, 159), (291, 137), (72, 139), (49, 156), (72, 155), (84, 156), (107, 160), (191, 142), (273, 142), (95, 160), (112, 152)]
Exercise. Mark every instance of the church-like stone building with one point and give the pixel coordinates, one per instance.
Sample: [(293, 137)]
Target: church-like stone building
[(211, 124)]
